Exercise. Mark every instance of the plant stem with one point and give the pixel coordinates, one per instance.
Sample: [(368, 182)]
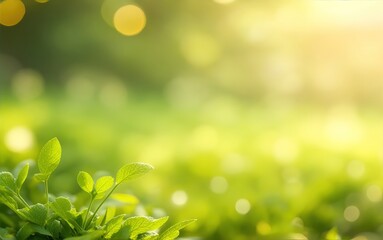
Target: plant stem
[(47, 194), (23, 200), (99, 206), (87, 211)]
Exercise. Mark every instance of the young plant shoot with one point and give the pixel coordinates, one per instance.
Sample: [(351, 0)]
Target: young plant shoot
[(56, 218)]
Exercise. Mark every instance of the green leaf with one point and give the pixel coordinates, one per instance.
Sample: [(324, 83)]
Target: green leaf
[(131, 171), (62, 207), (85, 181), (103, 184), (28, 229), (54, 227), (42, 177), (141, 224), (148, 236), (8, 181), (173, 232), (22, 176), (37, 214), (113, 226), (49, 157), (95, 235), (8, 200), (5, 235)]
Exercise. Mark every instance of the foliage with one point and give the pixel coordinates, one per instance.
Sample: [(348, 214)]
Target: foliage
[(57, 218)]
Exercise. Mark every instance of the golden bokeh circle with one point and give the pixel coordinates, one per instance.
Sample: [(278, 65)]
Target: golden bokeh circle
[(11, 12), (129, 20)]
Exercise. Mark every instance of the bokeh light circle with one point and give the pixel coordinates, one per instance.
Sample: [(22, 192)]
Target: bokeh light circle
[(19, 139), (11, 12), (179, 198), (351, 213), (242, 206), (129, 20)]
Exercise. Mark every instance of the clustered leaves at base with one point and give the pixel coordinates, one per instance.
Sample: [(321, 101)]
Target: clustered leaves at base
[(58, 219)]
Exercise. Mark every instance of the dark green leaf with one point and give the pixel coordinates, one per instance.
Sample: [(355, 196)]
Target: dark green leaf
[(62, 207), (37, 214), (28, 229), (8, 181), (95, 235)]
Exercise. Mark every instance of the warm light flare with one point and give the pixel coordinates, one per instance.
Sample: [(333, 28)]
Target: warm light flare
[(11, 12), (129, 20)]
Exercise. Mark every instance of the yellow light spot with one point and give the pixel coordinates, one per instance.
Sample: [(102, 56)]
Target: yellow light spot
[(42, 1), (351, 213), (129, 20), (19, 139), (263, 228), (242, 206), (224, 1), (11, 12), (218, 184), (179, 198), (374, 193)]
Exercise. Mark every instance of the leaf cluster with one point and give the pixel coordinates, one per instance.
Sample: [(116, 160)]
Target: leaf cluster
[(57, 218)]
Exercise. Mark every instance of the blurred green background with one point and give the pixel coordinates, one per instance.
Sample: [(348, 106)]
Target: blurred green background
[(261, 118)]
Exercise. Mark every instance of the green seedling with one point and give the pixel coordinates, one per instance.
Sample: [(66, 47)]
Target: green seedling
[(56, 218)]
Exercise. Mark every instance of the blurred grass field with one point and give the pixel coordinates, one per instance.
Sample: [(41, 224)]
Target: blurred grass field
[(262, 119)]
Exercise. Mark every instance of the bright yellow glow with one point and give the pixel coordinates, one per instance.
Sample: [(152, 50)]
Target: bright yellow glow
[(224, 1), (19, 139), (129, 20), (263, 228), (351, 213), (11, 12)]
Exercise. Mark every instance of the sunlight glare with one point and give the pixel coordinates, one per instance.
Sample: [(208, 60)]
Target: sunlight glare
[(19, 139)]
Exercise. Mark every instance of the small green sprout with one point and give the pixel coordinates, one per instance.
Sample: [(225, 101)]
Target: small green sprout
[(57, 218)]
